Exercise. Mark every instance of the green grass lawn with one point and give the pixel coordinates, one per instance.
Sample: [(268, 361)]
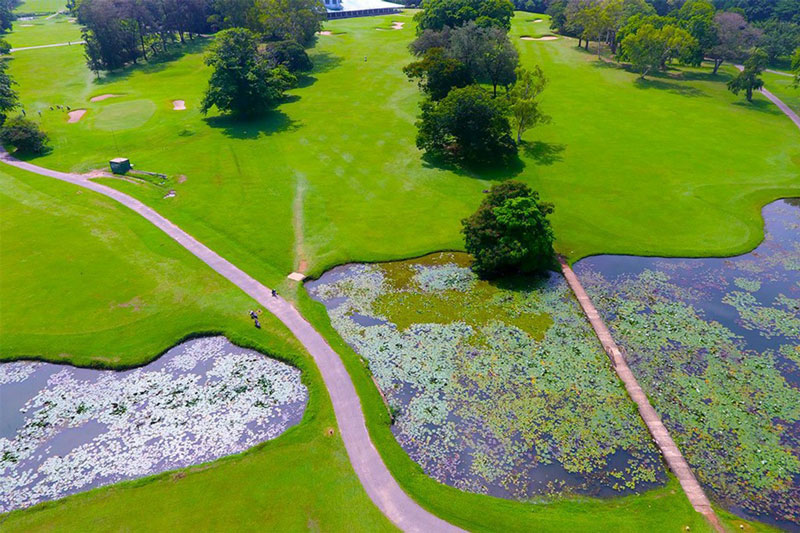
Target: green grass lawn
[(781, 86), (87, 281), (41, 6), (43, 30), (675, 165)]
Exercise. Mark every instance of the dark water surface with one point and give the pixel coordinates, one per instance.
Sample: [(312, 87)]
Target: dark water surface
[(64, 429), (715, 343)]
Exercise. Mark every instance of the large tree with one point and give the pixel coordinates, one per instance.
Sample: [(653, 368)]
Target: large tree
[(749, 78), (796, 66), (734, 38), (24, 135), (651, 48), (468, 125), (437, 73), (7, 16), (289, 54), (298, 20), (8, 96), (525, 110), (500, 60), (510, 232), (244, 81), (436, 14)]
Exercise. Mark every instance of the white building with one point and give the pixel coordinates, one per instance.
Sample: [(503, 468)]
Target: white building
[(359, 8)]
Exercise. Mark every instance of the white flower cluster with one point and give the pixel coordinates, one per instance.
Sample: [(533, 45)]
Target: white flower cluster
[(202, 400)]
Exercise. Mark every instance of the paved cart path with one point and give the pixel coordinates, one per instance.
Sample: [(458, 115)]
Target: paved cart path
[(668, 448), (778, 102), (381, 487), (45, 46)]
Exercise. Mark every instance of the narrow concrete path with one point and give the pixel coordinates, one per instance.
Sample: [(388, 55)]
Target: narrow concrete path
[(778, 102), (378, 482), (45, 46), (780, 72), (668, 448)]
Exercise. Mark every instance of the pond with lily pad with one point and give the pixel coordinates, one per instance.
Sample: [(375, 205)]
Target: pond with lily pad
[(65, 429), (500, 389), (715, 344)]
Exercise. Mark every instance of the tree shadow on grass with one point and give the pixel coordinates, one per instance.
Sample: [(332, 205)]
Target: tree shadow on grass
[(155, 63), (544, 153), (324, 62), (669, 86), (272, 122), (762, 105), (497, 172)]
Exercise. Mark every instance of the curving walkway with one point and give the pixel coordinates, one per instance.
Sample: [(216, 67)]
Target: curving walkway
[(777, 101), (45, 46), (378, 482), (672, 455)]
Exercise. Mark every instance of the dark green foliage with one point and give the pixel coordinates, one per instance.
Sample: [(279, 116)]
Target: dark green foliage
[(796, 67), (467, 125), (5, 47), (244, 81), (7, 16), (297, 20), (437, 73), (779, 38), (436, 14), (24, 135), (8, 96), (510, 232), (289, 54), (430, 39), (748, 79)]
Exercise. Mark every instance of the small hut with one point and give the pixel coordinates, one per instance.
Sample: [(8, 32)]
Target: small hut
[(120, 165)]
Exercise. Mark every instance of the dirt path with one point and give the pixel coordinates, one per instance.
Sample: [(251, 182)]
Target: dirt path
[(668, 448), (778, 102), (379, 484)]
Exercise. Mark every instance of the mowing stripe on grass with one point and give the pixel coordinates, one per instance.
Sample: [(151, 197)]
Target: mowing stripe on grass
[(376, 479), (668, 448)]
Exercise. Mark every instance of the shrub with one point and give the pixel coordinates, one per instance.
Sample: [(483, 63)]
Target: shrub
[(24, 135)]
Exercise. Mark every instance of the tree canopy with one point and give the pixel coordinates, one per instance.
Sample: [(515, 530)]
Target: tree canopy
[(525, 110), (650, 48), (9, 100), (749, 78), (510, 232), (244, 81), (437, 73), (436, 14)]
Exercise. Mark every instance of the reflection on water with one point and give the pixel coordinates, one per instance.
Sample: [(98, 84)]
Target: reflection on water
[(65, 429), (497, 390), (716, 345)]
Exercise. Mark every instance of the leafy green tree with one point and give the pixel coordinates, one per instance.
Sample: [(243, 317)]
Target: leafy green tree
[(436, 14), (650, 48), (749, 79), (500, 60), (7, 16), (289, 54), (779, 38), (510, 232), (244, 81), (468, 125), (437, 73), (5, 48), (734, 37), (697, 17), (9, 99), (24, 135), (796, 67), (430, 39), (298, 20), (525, 110)]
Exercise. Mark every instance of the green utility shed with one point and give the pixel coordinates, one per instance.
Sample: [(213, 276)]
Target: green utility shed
[(120, 165)]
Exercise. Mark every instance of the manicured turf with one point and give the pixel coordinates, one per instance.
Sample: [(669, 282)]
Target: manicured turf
[(781, 86), (87, 281), (672, 165), (668, 166), (41, 6), (44, 30)]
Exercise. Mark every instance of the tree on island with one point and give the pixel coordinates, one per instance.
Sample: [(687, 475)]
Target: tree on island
[(525, 111), (467, 125), (510, 232), (749, 79), (244, 81)]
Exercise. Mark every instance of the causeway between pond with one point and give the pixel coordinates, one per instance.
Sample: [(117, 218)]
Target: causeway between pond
[(376, 479)]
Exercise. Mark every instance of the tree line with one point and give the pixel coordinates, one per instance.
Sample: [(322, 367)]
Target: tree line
[(120, 32)]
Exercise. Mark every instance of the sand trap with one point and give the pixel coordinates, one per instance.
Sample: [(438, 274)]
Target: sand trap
[(296, 276), (545, 38), (75, 116), (171, 194), (181, 178), (537, 20), (26, 25), (102, 97), (397, 25), (178, 105), (324, 32)]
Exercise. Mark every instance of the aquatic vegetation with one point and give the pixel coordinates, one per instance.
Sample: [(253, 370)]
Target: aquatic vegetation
[(715, 343), (68, 429), (499, 389)]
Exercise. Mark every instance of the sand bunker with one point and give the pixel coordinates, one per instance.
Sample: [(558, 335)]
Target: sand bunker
[(324, 32), (397, 25), (26, 25), (102, 97), (545, 38), (75, 116), (537, 20), (178, 105)]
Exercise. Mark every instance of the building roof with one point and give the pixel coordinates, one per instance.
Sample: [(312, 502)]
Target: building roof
[(362, 5)]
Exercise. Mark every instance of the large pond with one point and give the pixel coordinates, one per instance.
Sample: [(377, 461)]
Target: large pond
[(715, 343), (498, 389), (65, 429)]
